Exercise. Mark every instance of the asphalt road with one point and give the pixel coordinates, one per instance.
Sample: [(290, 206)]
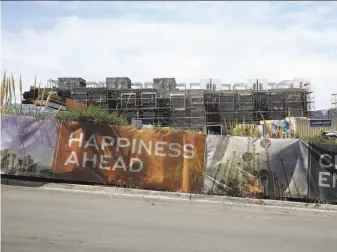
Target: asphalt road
[(36, 220)]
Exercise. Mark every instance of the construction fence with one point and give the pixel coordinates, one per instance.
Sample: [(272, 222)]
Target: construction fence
[(170, 160)]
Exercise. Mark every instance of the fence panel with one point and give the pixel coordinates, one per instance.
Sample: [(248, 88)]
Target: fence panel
[(323, 171), (168, 159), (242, 166), (27, 145), (104, 154)]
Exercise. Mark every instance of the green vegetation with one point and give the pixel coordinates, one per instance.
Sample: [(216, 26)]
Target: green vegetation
[(92, 114), (319, 139), (244, 131), (34, 112)]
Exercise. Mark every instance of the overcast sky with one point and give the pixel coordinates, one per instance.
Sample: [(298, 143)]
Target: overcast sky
[(231, 41)]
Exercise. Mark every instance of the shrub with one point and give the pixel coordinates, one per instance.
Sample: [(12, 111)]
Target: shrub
[(92, 114), (319, 139), (244, 131), (36, 113)]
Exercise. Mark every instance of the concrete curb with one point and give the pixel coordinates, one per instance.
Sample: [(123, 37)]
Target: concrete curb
[(118, 191)]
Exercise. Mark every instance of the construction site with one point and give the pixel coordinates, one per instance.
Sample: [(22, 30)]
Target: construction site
[(205, 105), (333, 110)]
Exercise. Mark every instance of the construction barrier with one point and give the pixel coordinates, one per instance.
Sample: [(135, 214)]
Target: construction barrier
[(123, 155), (168, 159)]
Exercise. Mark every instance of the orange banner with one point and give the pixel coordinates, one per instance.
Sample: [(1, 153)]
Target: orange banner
[(125, 155)]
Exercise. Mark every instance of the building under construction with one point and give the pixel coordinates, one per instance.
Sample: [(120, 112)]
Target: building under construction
[(206, 104), (333, 110)]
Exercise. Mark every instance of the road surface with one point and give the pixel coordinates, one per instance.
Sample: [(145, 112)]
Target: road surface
[(36, 220)]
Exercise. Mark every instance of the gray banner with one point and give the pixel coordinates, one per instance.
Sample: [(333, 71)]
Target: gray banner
[(242, 166)]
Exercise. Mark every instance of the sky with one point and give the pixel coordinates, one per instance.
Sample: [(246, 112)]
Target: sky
[(231, 41)]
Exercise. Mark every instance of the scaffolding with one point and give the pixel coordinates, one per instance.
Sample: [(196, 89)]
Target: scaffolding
[(260, 106), (333, 110), (334, 101), (245, 105), (52, 83), (178, 108), (309, 96), (166, 104), (294, 102), (276, 104)]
